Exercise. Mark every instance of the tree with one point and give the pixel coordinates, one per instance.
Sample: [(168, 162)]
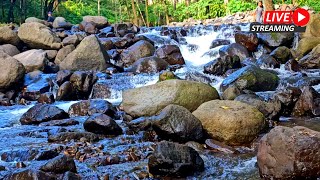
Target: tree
[(135, 17)]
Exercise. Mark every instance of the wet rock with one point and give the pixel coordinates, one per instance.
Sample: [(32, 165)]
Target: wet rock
[(60, 22), (219, 42), (122, 29), (37, 35), (174, 160), (12, 72), (305, 45), (299, 80), (33, 60), (150, 64), (308, 103), (46, 98), (68, 136), (63, 122), (166, 75), (65, 92), (9, 49), (82, 83), (100, 21), (231, 93), (220, 65), (89, 48), (149, 100), (42, 113), (312, 62), (216, 145), (270, 109), (232, 122), (282, 54), (88, 27), (29, 174), (198, 77), (171, 54), (90, 107), (276, 39), (63, 53), (19, 155), (139, 50), (292, 65), (177, 123), (251, 78), (288, 98), (267, 60), (289, 153), (70, 176), (102, 124), (101, 91), (46, 155), (60, 164), (107, 43), (8, 36), (248, 40), (234, 49), (72, 40), (63, 76)]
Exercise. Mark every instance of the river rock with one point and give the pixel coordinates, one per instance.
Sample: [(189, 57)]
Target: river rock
[(63, 53), (122, 29), (251, 78), (139, 50), (8, 36), (292, 65), (276, 39), (102, 124), (198, 77), (60, 22), (12, 72), (166, 75), (234, 49), (63, 76), (232, 122), (219, 42), (177, 123), (65, 92), (101, 90), (248, 40), (51, 54), (308, 103), (46, 98), (220, 65), (92, 106), (99, 21), (270, 109), (282, 54), (33, 59), (89, 48), (82, 83), (70, 176), (313, 61), (68, 136), (29, 174), (289, 153), (42, 113), (149, 100), (9, 49), (313, 27), (88, 27), (150, 64), (174, 160), (37, 35), (63, 122), (59, 165), (268, 61), (74, 39), (171, 54), (305, 45)]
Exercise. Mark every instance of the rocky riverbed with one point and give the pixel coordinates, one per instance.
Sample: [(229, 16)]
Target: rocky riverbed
[(117, 101)]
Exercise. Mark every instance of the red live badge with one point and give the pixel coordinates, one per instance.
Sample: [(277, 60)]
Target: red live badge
[(301, 17)]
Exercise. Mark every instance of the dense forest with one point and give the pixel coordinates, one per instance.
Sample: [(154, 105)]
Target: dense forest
[(142, 12)]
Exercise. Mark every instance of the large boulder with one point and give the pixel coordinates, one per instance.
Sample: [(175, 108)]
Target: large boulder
[(248, 40), (171, 54), (149, 100), (37, 35), (33, 59), (234, 49), (289, 153), (63, 53), (99, 21), (251, 78), (308, 103), (305, 45), (313, 61), (139, 50), (10, 49), (102, 124), (36, 20), (12, 72), (89, 55), (42, 113), (232, 122), (8, 36), (174, 160), (222, 64), (60, 22), (74, 39), (282, 54), (276, 39), (177, 123), (150, 64), (313, 28)]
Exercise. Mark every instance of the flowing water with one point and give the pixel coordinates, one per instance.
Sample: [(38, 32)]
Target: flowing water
[(195, 49)]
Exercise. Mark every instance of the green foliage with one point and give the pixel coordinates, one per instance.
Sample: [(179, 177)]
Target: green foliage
[(241, 6)]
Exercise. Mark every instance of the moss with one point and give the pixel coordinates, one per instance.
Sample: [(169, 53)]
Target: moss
[(274, 36), (167, 75)]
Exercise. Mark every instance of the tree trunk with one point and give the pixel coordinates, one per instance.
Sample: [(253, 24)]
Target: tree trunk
[(135, 17), (268, 5), (2, 11), (98, 7), (10, 14), (147, 13)]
